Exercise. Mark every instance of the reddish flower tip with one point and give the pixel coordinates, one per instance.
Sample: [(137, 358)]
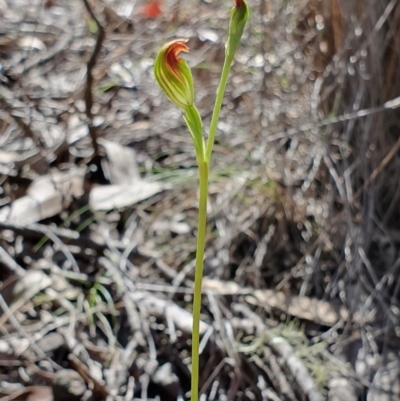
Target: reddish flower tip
[(171, 54), (239, 3), (173, 74)]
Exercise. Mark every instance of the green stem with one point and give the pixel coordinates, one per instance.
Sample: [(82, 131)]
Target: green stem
[(201, 241), (202, 222), (195, 125), (218, 103)]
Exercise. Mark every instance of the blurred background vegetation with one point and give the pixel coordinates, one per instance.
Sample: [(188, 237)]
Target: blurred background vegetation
[(98, 202)]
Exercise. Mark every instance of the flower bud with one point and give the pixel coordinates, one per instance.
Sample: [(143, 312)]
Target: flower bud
[(173, 74), (239, 16)]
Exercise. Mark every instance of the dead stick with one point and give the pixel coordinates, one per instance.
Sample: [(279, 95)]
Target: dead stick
[(377, 171), (89, 77)]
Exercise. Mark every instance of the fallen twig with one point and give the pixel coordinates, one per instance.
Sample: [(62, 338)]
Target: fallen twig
[(89, 77)]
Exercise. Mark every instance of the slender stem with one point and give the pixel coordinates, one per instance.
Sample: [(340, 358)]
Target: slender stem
[(218, 103), (201, 241), (195, 125), (204, 163)]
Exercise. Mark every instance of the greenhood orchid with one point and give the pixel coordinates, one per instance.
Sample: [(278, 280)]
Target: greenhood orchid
[(175, 79), (173, 74)]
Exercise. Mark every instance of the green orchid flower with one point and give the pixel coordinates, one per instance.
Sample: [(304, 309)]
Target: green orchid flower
[(173, 74), (175, 79)]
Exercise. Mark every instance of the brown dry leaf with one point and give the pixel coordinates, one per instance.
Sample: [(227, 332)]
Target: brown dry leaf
[(312, 309), (32, 393), (47, 196)]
